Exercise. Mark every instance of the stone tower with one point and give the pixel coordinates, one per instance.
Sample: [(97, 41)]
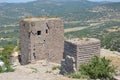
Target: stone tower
[(41, 38)]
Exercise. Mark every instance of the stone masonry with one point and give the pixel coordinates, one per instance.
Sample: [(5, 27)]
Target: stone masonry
[(81, 50), (41, 38)]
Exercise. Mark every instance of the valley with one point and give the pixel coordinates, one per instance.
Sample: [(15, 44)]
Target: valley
[(81, 18)]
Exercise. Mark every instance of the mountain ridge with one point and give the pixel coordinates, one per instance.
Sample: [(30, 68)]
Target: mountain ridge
[(43, 8)]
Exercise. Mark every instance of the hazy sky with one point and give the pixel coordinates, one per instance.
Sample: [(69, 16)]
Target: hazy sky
[(15, 0), (106, 0), (33, 0)]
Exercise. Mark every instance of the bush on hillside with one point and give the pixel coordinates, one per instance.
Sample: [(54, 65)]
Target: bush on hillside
[(5, 54), (98, 68)]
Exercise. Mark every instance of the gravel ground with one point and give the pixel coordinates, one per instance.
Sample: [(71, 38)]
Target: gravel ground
[(40, 70), (106, 53)]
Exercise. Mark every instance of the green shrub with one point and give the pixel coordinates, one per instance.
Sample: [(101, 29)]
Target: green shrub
[(75, 75), (5, 54), (98, 68), (7, 51), (1, 70), (78, 76), (56, 67), (7, 66)]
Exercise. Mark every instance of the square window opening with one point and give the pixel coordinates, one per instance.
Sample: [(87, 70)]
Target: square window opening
[(46, 31), (38, 32)]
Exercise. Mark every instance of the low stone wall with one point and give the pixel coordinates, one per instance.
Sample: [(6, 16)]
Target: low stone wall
[(86, 51), (81, 51)]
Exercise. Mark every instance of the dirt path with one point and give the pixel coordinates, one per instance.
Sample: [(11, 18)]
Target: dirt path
[(74, 29), (106, 52)]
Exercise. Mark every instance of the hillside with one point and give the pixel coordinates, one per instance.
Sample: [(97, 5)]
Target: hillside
[(11, 13), (101, 20), (106, 28), (107, 32), (43, 70), (110, 11), (68, 10)]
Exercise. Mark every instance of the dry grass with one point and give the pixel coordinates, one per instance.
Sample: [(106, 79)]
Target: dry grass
[(115, 61), (113, 56)]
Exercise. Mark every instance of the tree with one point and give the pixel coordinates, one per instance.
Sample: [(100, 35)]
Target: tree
[(5, 58), (7, 51), (98, 68)]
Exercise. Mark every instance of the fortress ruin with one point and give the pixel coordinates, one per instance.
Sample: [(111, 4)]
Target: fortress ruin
[(78, 51), (41, 38)]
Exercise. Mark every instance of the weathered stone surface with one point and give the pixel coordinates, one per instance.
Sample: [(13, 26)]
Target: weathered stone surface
[(82, 50), (41, 38), (68, 65)]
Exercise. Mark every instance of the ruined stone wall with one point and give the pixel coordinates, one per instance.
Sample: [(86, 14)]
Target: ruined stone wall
[(70, 49), (24, 40), (81, 50), (56, 40), (46, 39), (86, 51), (38, 37)]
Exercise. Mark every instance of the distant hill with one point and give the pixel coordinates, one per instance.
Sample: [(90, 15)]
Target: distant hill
[(68, 10), (102, 19), (115, 6), (106, 28), (110, 11)]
